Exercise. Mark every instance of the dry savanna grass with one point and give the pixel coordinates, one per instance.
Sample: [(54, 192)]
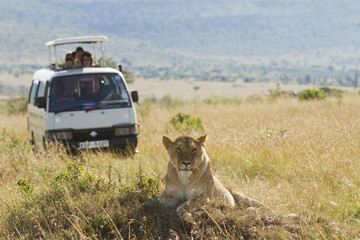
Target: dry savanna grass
[(300, 158)]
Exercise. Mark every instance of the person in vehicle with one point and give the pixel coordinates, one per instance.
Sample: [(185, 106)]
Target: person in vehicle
[(69, 60), (86, 59), (58, 91), (78, 54)]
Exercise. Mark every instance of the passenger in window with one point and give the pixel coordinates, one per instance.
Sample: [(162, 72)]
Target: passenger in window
[(69, 60), (78, 54), (58, 91), (86, 59)]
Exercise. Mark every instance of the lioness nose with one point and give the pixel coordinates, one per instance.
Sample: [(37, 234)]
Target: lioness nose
[(186, 163)]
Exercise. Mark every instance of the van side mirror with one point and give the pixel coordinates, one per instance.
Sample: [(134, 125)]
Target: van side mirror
[(134, 96), (41, 102)]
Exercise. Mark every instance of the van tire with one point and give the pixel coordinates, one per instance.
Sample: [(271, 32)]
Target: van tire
[(32, 140), (33, 143), (44, 143)]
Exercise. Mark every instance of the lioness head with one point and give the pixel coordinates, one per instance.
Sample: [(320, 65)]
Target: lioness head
[(185, 152)]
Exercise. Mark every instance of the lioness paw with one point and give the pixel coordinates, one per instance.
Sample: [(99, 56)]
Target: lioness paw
[(184, 215), (182, 212)]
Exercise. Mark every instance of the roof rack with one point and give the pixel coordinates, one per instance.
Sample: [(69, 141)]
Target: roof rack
[(73, 40)]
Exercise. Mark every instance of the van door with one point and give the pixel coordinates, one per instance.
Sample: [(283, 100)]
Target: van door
[(37, 115)]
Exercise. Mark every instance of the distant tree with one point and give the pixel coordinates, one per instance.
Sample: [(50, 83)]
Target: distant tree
[(248, 80), (16, 73), (126, 61), (128, 76), (331, 68), (307, 79), (356, 77), (110, 62)]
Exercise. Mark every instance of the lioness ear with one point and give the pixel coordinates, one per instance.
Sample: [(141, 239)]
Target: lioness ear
[(167, 142), (202, 140)]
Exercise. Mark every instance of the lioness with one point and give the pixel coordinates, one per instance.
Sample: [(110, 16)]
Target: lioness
[(190, 181)]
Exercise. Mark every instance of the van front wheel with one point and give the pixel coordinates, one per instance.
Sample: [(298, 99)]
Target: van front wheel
[(32, 140), (44, 143), (35, 148)]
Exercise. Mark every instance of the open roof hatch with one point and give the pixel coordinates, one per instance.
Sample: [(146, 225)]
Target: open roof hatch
[(73, 40)]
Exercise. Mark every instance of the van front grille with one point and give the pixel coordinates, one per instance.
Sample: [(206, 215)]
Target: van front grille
[(93, 134)]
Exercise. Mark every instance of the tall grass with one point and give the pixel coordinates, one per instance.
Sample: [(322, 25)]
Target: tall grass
[(14, 105), (300, 158)]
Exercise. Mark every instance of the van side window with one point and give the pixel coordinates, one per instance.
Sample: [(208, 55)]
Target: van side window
[(40, 92), (33, 91)]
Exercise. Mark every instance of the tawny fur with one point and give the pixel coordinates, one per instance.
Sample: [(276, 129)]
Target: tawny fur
[(190, 181)]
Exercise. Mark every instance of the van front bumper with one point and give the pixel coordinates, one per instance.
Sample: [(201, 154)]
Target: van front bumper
[(119, 143), (95, 138)]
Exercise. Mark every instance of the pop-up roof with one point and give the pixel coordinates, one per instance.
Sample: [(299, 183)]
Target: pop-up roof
[(73, 40)]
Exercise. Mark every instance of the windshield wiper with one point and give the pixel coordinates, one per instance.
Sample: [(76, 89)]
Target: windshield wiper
[(109, 105), (122, 102), (102, 106), (68, 109)]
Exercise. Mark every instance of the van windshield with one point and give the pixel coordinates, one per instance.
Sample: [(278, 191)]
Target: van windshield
[(88, 92)]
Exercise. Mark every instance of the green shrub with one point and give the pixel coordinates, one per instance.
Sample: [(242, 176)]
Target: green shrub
[(185, 122), (26, 187), (77, 180), (309, 94), (78, 204), (333, 92)]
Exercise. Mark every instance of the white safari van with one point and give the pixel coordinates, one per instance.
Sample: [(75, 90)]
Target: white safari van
[(82, 107)]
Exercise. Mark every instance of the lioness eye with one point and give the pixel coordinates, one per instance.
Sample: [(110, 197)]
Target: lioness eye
[(178, 150), (194, 150)]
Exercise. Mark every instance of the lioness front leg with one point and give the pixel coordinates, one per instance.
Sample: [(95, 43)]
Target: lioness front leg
[(168, 201), (184, 210)]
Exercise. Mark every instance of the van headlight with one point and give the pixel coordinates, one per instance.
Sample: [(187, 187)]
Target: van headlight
[(135, 130), (124, 131), (60, 135)]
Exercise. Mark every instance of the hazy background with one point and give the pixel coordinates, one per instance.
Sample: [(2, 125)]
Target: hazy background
[(248, 41)]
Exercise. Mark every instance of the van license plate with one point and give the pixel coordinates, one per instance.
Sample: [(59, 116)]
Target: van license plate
[(94, 144)]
